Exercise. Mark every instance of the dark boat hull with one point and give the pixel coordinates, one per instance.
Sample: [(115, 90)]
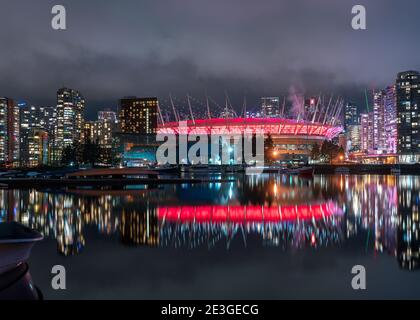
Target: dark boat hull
[(17, 284), (13, 254), (16, 242)]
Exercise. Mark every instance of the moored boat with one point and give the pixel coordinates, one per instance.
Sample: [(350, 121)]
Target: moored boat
[(306, 172), (16, 242)]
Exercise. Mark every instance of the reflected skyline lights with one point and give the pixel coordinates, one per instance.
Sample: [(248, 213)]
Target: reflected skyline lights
[(282, 211)]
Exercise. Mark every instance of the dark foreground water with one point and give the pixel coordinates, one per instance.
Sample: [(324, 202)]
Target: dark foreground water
[(257, 237)]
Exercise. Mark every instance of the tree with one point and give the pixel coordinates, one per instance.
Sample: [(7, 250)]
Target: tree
[(316, 152), (268, 149), (68, 156), (329, 150), (91, 152), (341, 153)]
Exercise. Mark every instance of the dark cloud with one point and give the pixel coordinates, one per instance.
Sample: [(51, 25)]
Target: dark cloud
[(112, 49)]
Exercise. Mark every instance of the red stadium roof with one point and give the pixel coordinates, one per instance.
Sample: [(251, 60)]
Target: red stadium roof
[(274, 126), (240, 214)]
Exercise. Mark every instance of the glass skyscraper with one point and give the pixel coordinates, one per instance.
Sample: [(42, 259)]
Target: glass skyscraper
[(408, 103), (69, 124)]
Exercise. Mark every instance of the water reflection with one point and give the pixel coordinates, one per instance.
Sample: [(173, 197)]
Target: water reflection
[(281, 211)]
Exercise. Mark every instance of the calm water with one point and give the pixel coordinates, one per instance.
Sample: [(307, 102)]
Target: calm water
[(255, 237)]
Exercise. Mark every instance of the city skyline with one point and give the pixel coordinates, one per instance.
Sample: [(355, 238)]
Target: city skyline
[(63, 135), (159, 52), (206, 150)]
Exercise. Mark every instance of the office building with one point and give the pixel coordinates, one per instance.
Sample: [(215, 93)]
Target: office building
[(9, 133), (366, 129), (390, 120), (408, 103), (353, 138), (351, 115), (35, 123), (69, 124), (38, 148), (378, 127), (270, 107), (138, 115)]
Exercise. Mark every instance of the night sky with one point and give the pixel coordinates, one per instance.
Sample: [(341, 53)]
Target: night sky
[(245, 47)]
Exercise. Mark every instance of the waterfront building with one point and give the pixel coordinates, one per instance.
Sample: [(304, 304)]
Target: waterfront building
[(136, 137), (378, 129), (69, 125), (270, 107), (9, 133), (408, 103), (138, 115)]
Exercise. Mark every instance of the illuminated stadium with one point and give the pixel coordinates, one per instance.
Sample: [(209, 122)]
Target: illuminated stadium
[(291, 138), (294, 129), (276, 127)]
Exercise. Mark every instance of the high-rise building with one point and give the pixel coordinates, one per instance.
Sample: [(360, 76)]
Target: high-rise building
[(408, 103), (138, 115), (9, 133), (270, 107), (311, 108), (378, 123), (378, 127), (108, 116), (390, 120), (351, 116), (352, 128), (34, 120), (101, 131), (38, 147), (90, 131), (3, 130), (366, 130), (69, 124), (353, 138)]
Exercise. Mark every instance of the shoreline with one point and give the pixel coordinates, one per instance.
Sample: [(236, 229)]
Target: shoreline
[(203, 176)]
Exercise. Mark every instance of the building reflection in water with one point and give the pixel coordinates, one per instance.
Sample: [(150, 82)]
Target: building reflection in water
[(282, 211), (408, 249), (139, 225)]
